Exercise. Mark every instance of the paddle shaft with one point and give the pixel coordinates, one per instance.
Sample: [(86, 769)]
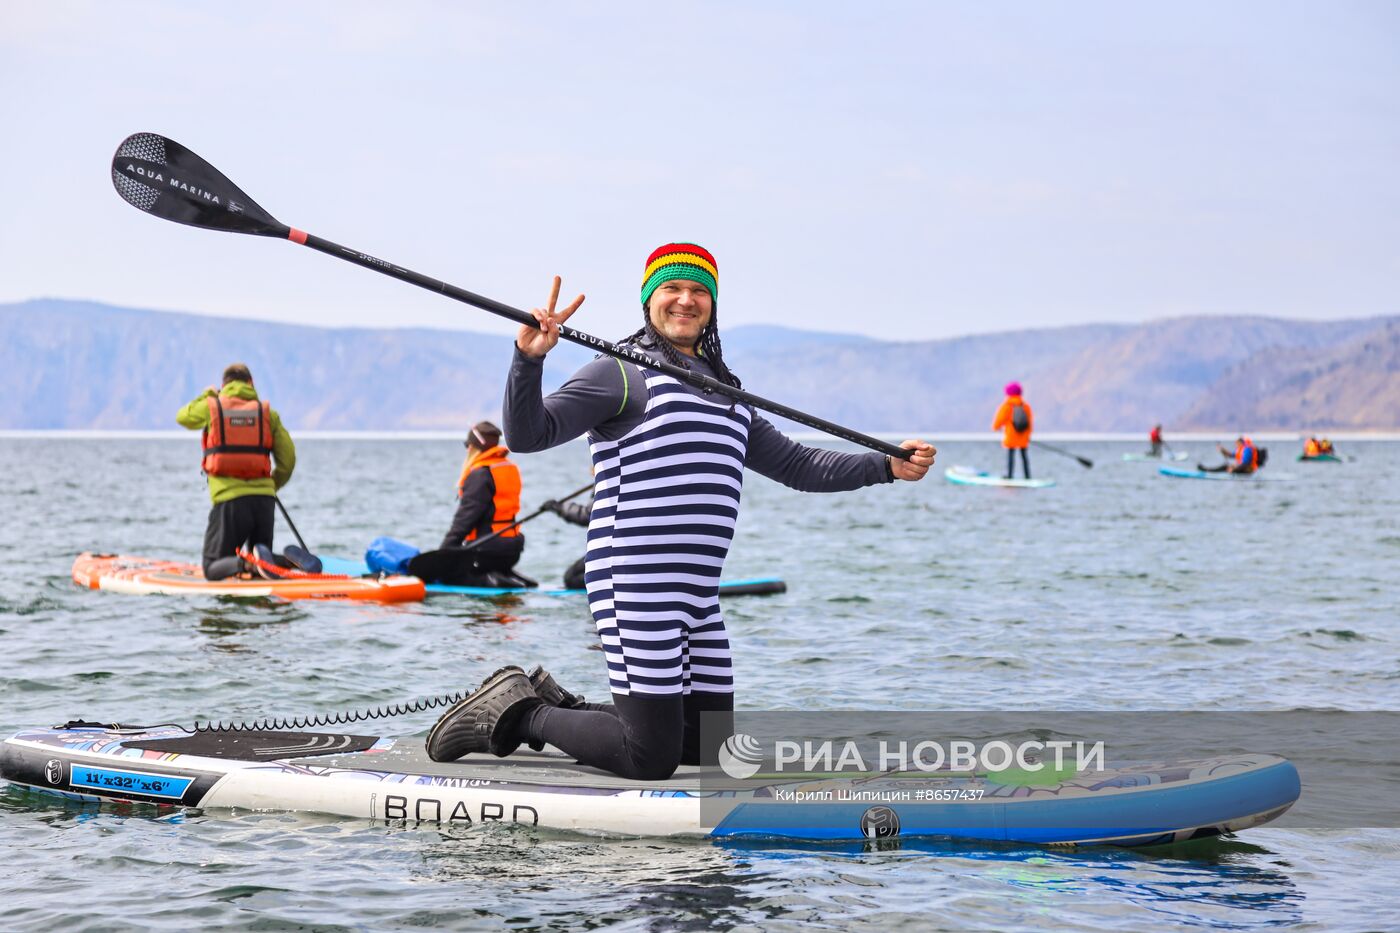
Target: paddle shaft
[(518, 522), (159, 176), (700, 381), (290, 525), (1083, 461)]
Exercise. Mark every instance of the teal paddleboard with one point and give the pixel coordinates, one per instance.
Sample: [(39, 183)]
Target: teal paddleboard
[(1182, 473), (754, 586), (967, 476)]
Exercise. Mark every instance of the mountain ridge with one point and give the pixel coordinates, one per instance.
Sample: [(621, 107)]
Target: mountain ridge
[(88, 365)]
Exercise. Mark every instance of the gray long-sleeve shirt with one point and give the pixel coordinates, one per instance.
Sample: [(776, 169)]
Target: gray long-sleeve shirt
[(608, 398)]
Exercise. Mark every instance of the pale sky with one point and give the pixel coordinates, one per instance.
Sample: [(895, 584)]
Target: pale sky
[(901, 170)]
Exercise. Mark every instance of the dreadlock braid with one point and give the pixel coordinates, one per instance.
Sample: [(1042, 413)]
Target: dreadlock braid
[(711, 350)]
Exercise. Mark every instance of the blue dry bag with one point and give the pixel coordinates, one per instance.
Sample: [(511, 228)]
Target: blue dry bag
[(389, 555)]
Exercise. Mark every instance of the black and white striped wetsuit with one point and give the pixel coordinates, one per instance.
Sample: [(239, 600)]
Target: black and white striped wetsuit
[(666, 500), (669, 463)]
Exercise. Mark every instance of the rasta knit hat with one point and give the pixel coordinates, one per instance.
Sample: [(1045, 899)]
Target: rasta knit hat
[(680, 261)]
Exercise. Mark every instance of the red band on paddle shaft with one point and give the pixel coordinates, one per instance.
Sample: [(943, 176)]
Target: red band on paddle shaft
[(297, 236)]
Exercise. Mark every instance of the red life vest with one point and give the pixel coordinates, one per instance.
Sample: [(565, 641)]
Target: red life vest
[(505, 505), (1156, 436), (238, 442)]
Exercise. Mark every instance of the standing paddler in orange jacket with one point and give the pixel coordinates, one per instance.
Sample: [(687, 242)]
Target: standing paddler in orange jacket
[(1015, 421), (243, 438)]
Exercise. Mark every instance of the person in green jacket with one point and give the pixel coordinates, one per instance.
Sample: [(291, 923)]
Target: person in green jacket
[(242, 438)]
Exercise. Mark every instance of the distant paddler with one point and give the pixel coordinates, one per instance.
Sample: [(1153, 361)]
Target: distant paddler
[(247, 456), (1016, 422), (669, 464), (1154, 439), (1315, 448), (1244, 460)]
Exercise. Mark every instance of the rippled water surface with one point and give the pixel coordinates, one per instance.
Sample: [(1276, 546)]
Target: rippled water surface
[(1117, 589)]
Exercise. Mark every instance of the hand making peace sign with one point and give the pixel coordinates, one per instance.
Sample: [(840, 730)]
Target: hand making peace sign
[(537, 341)]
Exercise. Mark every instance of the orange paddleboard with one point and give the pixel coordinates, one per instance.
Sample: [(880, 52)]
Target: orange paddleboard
[(120, 573)]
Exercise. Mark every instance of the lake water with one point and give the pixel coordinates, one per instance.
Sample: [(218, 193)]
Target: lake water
[(1117, 589)]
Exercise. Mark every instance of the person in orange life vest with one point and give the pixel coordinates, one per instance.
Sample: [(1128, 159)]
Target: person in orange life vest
[(1311, 448), (488, 493), (1015, 421), (1324, 446), (1155, 438), (248, 456), (1245, 459)]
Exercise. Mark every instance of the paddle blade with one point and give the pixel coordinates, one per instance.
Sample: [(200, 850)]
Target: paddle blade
[(162, 177)]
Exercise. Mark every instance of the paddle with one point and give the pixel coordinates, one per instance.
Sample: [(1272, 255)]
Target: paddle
[(305, 560), (520, 521), (161, 177), (290, 525), (1085, 462)]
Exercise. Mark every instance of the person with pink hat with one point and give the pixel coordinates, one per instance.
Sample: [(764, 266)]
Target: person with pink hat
[(1015, 421)]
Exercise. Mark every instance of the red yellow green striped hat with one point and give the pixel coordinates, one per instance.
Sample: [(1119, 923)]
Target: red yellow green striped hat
[(680, 261)]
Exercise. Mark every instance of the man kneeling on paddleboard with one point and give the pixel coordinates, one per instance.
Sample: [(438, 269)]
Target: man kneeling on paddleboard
[(243, 437), (668, 467)]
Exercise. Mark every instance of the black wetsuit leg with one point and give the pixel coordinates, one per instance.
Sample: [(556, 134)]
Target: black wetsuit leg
[(461, 566), (232, 524), (573, 577), (498, 553), (640, 736), (693, 751), (1026, 462), (1010, 462), (643, 741)]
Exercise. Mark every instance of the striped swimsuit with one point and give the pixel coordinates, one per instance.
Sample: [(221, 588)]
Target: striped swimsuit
[(666, 500)]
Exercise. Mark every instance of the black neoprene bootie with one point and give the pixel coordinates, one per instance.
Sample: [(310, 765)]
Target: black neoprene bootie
[(484, 721), (550, 694), (302, 559), (548, 690)]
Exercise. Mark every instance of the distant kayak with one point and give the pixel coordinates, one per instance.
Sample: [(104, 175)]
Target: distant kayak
[(1176, 456), (967, 476), (1320, 458), (1181, 473), (121, 573), (756, 586)]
